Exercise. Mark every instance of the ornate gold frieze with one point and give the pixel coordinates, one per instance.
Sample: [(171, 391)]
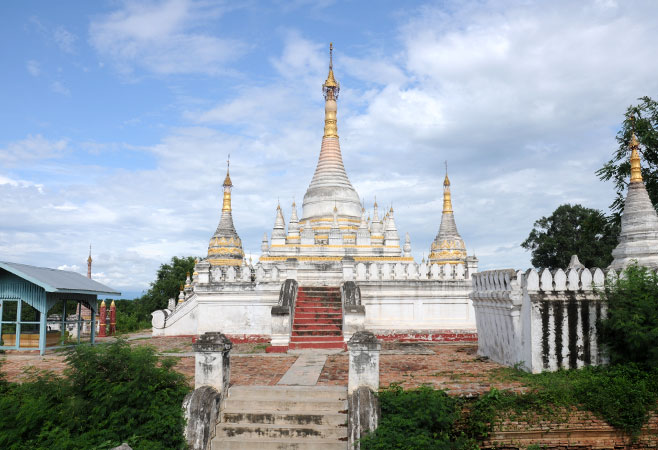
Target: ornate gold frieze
[(224, 262)]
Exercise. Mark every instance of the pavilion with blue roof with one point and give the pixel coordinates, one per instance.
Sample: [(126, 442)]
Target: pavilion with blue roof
[(28, 293)]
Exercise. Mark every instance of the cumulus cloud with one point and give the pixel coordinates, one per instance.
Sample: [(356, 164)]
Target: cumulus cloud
[(64, 39), (523, 99), (33, 68), (59, 88), (30, 149), (162, 37)]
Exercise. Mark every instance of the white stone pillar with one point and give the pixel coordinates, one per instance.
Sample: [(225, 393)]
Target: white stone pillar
[(212, 362), (364, 351), (348, 268)]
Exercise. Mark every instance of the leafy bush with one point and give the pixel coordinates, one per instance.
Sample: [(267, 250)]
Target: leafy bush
[(622, 395), (421, 418), (110, 394), (630, 331)]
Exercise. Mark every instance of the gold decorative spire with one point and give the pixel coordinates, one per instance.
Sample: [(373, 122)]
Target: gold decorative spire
[(636, 168), (226, 206), (447, 201), (330, 89)]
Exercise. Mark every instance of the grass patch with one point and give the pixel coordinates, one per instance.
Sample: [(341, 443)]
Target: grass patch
[(622, 395)]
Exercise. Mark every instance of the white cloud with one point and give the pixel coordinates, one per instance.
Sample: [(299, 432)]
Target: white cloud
[(33, 68), (162, 37), (64, 39), (59, 88), (30, 149), (521, 98)]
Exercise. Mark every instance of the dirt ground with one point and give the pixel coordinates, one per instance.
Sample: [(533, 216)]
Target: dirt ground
[(454, 367)]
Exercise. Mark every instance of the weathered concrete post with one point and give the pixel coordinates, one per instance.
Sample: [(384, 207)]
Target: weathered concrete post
[(363, 383), (212, 362), (211, 380)]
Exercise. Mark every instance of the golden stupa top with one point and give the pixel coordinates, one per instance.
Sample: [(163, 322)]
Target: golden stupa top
[(636, 168), (227, 180), (331, 81), (447, 200)]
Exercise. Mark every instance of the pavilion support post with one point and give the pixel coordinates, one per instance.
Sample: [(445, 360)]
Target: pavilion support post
[(93, 323), (63, 327), (19, 314), (42, 333), (78, 323)]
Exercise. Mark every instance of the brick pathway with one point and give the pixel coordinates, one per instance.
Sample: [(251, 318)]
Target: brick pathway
[(454, 367)]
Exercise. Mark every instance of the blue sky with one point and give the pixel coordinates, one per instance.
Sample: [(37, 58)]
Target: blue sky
[(118, 117)]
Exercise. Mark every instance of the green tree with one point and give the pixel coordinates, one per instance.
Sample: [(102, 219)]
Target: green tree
[(166, 285), (643, 118), (572, 230), (109, 394), (630, 330)]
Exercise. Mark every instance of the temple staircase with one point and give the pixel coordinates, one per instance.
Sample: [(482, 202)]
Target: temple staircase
[(318, 319), (283, 417)]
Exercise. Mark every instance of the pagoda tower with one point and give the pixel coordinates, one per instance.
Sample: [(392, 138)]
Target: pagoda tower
[(330, 185), (638, 240), (225, 247), (448, 246)]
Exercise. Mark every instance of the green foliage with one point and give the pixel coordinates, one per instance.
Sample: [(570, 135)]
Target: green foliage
[(136, 314), (422, 419), (623, 395), (630, 331), (110, 394), (618, 169), (127, 318), (572, 230)]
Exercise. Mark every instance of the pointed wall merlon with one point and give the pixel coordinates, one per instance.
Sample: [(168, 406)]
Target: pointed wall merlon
[(543, 320)]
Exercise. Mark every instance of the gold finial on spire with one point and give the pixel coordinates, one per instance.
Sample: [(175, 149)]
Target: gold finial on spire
[(331, 81), (226, 205), (227, 180), (330, 89), (447, 201), (636, 168)]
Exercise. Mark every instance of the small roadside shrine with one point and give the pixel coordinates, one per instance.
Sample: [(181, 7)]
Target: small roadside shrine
[(34, 302)]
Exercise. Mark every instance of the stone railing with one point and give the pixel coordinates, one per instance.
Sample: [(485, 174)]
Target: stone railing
[(542, 320), (283, 313), (354, 313), (363, 409), (376, 271), (212, 376)]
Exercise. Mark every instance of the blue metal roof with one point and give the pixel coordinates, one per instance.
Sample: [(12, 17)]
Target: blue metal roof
[(54, 280)]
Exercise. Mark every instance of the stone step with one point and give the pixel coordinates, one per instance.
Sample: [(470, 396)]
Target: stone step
[(274, 431), (317, 326), (316, 320), (310, 345), (316, 304), (289, 418), (302, 393), (318, 289), (333, 298), (316, 338), (296, 332), (316, 309), (298, 405), (305, 315), (279, 444)]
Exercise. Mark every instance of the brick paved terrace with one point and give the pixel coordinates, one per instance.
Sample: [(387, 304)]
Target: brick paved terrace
[(454, 367)]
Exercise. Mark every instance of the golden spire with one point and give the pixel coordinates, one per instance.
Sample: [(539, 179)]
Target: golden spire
[(636, 169), (447, 201), (226, 206), (330, 89), (331, 81)]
